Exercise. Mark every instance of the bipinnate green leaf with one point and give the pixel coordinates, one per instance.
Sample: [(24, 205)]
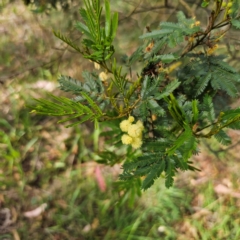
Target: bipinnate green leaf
[(236, 23), (179, 142), (233, 114), (69, 84), (156, 33), (68, 41), (154, 173), (170, 172), (168, 89), (61, 106), (223, 138), (203, 83), (167, 58), (208, 108)]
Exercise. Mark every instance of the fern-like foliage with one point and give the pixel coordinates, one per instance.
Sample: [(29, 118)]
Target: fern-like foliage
[(99, 39), (209, 73), (68, 41), (151, 94), (92, 86), (98, 44), (236, 23), (172, 34), (235, 11), (61, 106), (223, 138), (163, 113), (165, 157), (119, 79), (69, 84)]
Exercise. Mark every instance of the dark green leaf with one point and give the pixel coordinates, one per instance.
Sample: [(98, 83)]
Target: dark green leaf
[(107, 19)]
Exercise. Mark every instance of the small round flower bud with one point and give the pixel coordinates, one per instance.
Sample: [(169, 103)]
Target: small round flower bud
[(126, 139), (154, 117), (191, 39), (135, 130), (103, 76), (224, 4), (96, 65), (136, 143), (131, 119), (124, 125), (197, 23)]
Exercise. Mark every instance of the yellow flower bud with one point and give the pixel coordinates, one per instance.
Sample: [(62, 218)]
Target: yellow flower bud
[(134, 136), (197, 23), (96, 65), (135, 130), (212, 49), (191, 39), (224, 4), (136, 142), (103, 76), (126, 139), (131, 119), (154, 117), (124, 125)]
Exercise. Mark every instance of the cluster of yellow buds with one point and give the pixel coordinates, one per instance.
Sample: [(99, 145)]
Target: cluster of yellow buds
[(212, 49), (228, 7), (134, 132)]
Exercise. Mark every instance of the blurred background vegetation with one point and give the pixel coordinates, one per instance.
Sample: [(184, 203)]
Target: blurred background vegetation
[(50, 185)]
